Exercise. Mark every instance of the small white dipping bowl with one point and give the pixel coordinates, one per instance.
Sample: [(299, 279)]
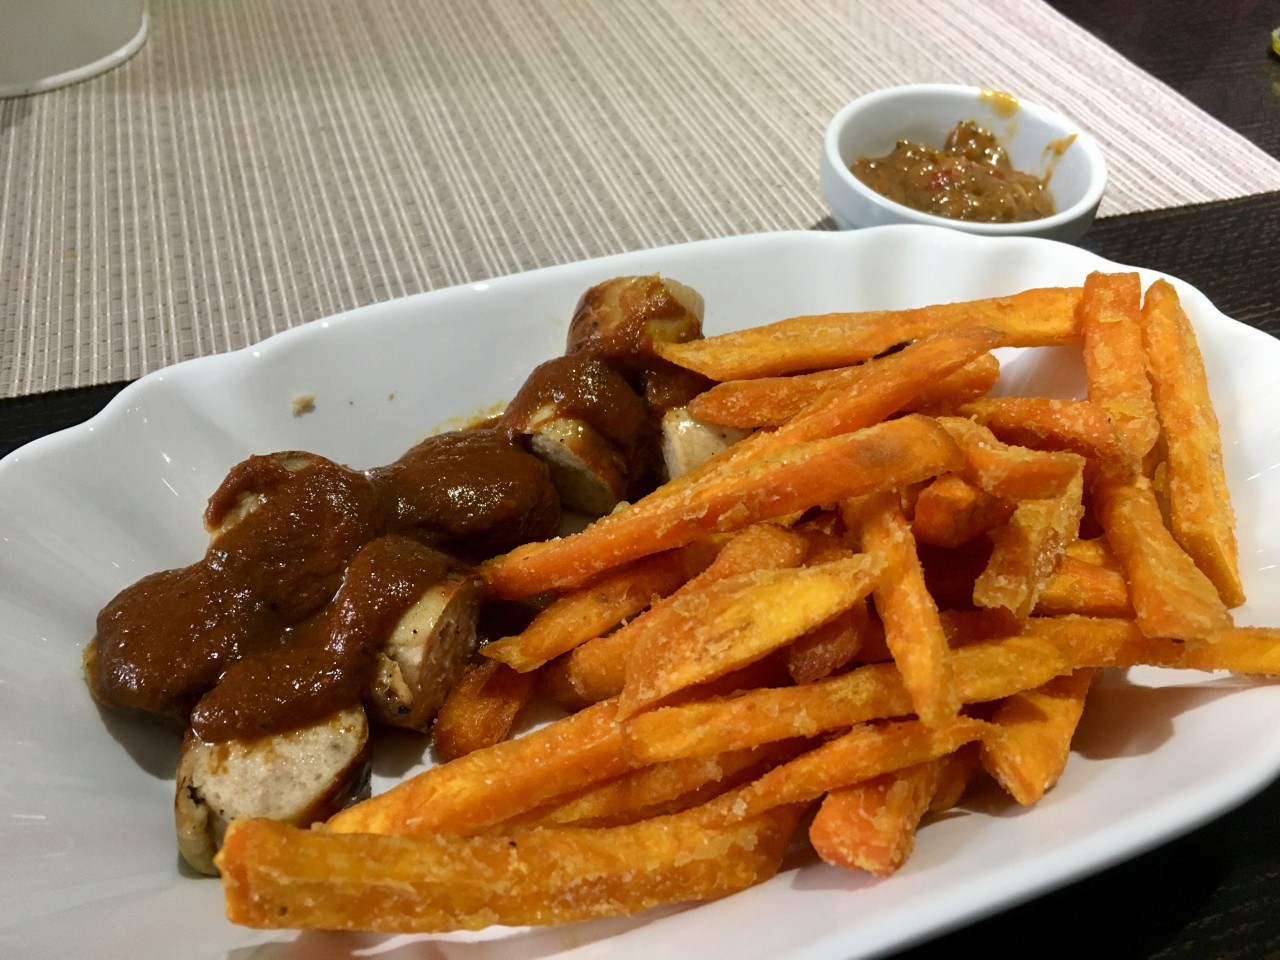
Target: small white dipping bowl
[(925, 113)]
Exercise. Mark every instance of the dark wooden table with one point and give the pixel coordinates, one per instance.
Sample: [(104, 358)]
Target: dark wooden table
[(1214, 893)]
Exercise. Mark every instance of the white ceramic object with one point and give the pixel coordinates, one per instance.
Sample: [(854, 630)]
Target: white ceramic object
[(45, 44), (872, 125), (86, 829)]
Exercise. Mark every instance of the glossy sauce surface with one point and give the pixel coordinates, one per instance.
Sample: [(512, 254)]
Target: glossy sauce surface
[(309, 567)]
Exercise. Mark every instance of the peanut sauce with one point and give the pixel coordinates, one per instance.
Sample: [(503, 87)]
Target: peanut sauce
[(971, 178)]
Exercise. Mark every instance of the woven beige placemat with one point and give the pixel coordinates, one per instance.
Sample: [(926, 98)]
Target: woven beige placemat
[(262, 163)]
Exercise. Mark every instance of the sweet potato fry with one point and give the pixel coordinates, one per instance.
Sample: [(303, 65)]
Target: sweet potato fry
[(885, 387), (866, 751), (656, 790), (1244, 650), (1003, 470), (975, 379), (1117, 642), (1028, 749), (598, 606), (1114, 358), (951, 511), (956, 772), (277, 876), (480, 709), (882, 457), (772, 401), (1170, 595), (1094, 551), (1200, 510), (737, 621), (912, 630), (1044, 423), (1027, 548), (821, 652), (494, 784), (984, 671), (596, 670), (1087, 641), (1092, 589), (1038, 317), (872, 825)]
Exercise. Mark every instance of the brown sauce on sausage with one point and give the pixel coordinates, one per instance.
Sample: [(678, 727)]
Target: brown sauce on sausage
[(310, 566), (326, 662), (473, 493)]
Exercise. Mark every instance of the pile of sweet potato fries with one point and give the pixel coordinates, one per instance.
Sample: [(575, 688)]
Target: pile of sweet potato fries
[(896, 583)]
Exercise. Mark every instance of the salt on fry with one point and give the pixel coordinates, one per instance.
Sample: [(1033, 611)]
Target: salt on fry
[(1028, 749), (277, 876), (1114, 358), (772, 401), (1078, 586), (596, 670), (1026, 549), (823, 651), (1003, 470), (912, 631), (1030, 318), (984, 671), (1047, 423), (1170, 596), (951, 511), (871, 825), (865, 751), (882, 457), (655, 790), (1200, 512), (1118, 642), (737, 621), (598, 606), (494, 784)]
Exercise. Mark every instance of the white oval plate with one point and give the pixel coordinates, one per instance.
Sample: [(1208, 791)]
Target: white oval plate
[(90, 867)]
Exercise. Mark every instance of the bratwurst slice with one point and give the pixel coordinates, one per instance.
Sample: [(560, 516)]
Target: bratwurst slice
[(426, 652), (582, 418), (301, 777)]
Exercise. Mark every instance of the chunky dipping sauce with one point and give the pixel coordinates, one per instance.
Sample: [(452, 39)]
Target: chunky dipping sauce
[(970, 178)]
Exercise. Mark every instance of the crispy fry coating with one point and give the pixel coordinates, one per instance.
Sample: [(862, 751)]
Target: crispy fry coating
[(1114, 357), (1039, 317), (1028, 750), (278, 876), (598, 606), (872, 824), (738, 621), (818, 472), (912, 630), (1200, 510), (1170, 595), (939, 374), (481, 708), (885, 588)]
